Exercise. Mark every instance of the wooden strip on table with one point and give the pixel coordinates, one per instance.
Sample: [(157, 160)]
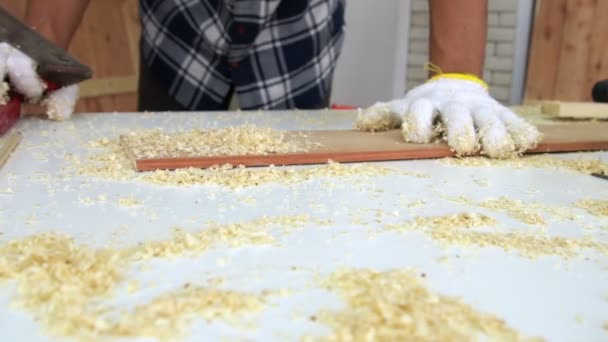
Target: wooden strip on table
[(580, 110), (355, 146), (7, 144)]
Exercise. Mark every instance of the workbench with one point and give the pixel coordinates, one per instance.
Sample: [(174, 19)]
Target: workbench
[(551, 297)]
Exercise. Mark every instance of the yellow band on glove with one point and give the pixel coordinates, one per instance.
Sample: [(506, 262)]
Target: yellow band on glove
[(429, 66), (464, 77)]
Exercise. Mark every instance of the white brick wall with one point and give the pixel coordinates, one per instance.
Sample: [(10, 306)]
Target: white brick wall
[(502, 18)]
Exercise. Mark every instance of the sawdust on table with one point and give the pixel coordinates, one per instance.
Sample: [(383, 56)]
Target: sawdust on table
[(456, 230), (594, 207), (254, 232), (128, 201), (582, 165), (113, 163), (67, 286), (241, 140), (395, 305), (516, 208), (461, 220), (526, 212), (174, 312)]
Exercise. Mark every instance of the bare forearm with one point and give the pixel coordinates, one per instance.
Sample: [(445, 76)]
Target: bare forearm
[(57, 20), (458, 35)]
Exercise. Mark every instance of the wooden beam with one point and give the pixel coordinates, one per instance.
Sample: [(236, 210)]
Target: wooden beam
[(108, 86), (578, 110)]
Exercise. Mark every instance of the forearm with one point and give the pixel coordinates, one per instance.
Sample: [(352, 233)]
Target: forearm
[(458, 35), (56, 20)]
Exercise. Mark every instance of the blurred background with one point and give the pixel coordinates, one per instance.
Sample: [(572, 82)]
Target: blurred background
[(536, 50)]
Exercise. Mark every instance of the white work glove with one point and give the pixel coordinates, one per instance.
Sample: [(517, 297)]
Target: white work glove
[(460, 109), (22, 75)]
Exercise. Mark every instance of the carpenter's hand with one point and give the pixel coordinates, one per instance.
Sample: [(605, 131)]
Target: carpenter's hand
[(20, 71), (459, 109)]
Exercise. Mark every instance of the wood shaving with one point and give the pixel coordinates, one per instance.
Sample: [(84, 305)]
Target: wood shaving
[(416, 204), (128, 202), (377, 118), (483, 182), (594, 207), (243, 140), (115, 165), (396, 306), (586, 166)]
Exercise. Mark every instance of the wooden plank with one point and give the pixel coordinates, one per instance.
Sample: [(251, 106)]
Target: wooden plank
[(545, 47), (8, 143), (572, 68), (579, 110), (108, 86), (356, 146)]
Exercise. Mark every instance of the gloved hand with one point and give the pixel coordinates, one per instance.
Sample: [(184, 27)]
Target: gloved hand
[(22, 76), (458, 107)]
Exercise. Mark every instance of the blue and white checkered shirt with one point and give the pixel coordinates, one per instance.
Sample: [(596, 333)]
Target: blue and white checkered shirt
[(275, 54)]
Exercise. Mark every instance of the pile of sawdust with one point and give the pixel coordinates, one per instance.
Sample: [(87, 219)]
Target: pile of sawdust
[(395, 306), (114, 164), (462, 220), (59, 281), (242, 140), (594, 207), (170, 315), (64, 284), (254, 232), (515, 208), (447, 222), (526, 212), (587, 166)]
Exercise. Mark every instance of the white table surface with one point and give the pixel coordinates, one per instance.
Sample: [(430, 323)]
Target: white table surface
[(549, 297)]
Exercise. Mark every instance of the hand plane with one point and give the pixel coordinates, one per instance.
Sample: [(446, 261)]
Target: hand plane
[(55, 66)]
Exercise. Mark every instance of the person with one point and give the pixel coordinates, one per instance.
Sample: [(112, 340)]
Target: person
[(281, 54)]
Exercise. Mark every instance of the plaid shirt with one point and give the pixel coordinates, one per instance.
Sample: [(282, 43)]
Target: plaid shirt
[(275, 54)]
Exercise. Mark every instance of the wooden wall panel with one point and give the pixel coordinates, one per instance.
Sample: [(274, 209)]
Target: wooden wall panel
[(598, 53), (569, 50), (104, 41), (544, 51), (108, 41), (574, 51)]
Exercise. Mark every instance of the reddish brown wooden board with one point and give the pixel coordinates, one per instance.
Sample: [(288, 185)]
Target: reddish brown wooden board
[(354, 146)]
